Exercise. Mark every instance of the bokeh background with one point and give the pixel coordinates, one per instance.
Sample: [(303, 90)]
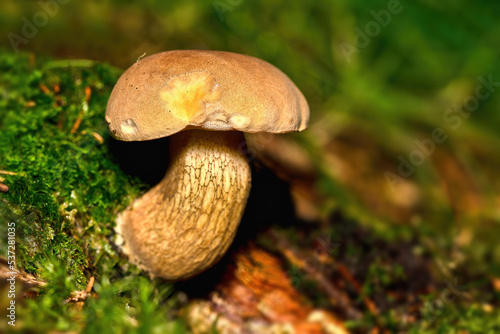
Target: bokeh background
[(381, 78)]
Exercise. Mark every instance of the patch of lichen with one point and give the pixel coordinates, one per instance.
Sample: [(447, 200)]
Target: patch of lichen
[(66, 192)]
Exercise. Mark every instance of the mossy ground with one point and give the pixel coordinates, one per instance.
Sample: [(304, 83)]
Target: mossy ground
[(64, 198)]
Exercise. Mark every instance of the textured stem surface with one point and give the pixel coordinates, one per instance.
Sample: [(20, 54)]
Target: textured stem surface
[(186, 223)]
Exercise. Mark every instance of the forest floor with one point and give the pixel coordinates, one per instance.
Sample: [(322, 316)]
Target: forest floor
[(326, 243)]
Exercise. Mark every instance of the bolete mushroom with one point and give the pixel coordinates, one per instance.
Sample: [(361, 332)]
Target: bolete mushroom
[(204, 100)]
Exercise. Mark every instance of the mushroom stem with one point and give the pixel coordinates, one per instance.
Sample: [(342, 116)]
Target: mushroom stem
[(185, 224)]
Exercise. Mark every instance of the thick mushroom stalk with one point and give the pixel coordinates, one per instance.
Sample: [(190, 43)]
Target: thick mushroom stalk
[(186, 223)]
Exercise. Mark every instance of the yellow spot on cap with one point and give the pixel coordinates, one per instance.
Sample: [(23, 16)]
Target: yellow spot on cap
[(186, 95)]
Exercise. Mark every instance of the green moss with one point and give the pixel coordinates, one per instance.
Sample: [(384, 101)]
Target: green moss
[(63, 180), (458, 319), (65, 196)]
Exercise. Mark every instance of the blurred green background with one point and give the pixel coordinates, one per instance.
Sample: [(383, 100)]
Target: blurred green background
[(380, 77), (396, 87)]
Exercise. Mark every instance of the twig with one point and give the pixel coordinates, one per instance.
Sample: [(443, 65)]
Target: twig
[(77, 123), (90, 285), (88, 93), (27, 281), (45, 89), (6, 172), (357, 286), (140, 57), (79, 297), (85, 108), (98, 137)]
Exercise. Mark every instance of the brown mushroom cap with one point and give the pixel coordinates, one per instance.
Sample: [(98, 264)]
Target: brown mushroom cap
[(171, 91)]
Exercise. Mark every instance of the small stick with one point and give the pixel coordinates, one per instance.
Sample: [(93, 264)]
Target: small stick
[(88, 93), (357, 286), (44, 89), (85, 108), (98, 137), (77, 123), (79, 297), (6, 172), (140, 57), (90, 284)]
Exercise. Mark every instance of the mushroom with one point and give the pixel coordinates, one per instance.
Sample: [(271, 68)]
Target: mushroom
[(204, 100)]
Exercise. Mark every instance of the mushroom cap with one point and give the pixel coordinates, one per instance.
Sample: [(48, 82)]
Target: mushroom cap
[(222, 91)]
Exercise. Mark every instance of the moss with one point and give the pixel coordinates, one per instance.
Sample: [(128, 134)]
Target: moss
[(66, 192), (473, 319), (63, 180)]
